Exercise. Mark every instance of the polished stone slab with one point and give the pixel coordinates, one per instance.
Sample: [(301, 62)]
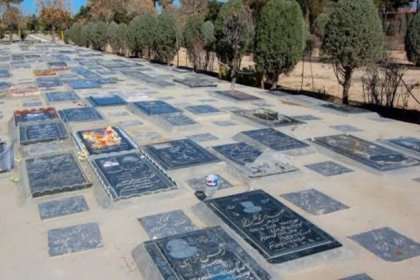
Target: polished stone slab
[(367, 153), (274, 139), (411, 144), (6, 157), (42, 132), (167, 224), (202, 109), (89, 139), (276, 231), (306, 118), (4, 86), (48, 82), (84, 84), (236, 95), (224, 123), (346, 128), (196, 82), (106, 81), (35, 115), (362, 276), (240, 153), (54, 174), (156, 107), (177, 119), (83, 114), (267, 117), (74, 239), (200, 184), (61, 96), (329, 168), (129, 175), (57, 65), (314, 202), (179, 154), (106, 100), (203, 254), (85, 73), (32, 103), (342, 108), (4, 74), (62, 207), (388, 244), (203, 137)]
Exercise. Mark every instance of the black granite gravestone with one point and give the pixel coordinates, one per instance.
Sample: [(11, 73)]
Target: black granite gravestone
[(240, 153), (274, 139), (61, 96), (157, 107), (177, 119), (84, 114), (42, 132), (61, 207), (237, 95), (129, 175), (267, 117), (277, 232), (365, 152)]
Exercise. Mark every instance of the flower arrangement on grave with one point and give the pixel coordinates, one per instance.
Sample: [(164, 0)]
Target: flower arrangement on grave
[(25, 89), (101, 138), (35, 114), (44, 72)]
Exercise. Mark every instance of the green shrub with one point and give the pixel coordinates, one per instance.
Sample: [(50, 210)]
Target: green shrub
[(142, 35), (113, 37), (412, 40), (166, 38), (193, 36)]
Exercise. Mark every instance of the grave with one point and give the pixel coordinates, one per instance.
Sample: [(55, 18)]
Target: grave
[(83, 84), (267, 117), (314, 202), (203, 254), (106, 81), (74, 239), (85, 73), (4, 86), (61, 96), (253, 162), (156, 107), (58, 65), (6, 157), (130, 175), (194, 82), (362, 276), (106, 100), (44, 72), (203, 137), (202, 109), (306, 118), (35, 115), (388, 244), (328, 168), (409, 144), (84, 114), (237, 95), (177, 119), (224, 123), (273, 229), (32, 103), (54, 174), (346, 128), (4, 74), (62, 207), (274, 139), (48, 82), (179, 154), (104, 140), (167, 224), (42, 132), (342, 108), (365, 152), (24, 90)]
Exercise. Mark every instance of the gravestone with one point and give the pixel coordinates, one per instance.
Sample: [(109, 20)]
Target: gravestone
[(104, 140), (157, 107), (240, 153), (314, 202), (48, 82), (237, 95), (106, 100), (83, 114), (276, 231), (388, 244), (362, 276), (6, 157), (4, 86), (224, 123), (179, 154), (177, 119), (365, 152), (274, 139), (42, 132), (346, 128), (55, 174), (62, 207), (85, 73), (83, 84), (58, 65), (194, 82), (4, 73), (267, 117), (61, 96), (203, 254), (32, 103), (342, 108), (106, 81), (306, 118), (130, 175), (35, 115), (328, 168), (203, 137), (200, 184), (202, 109), (74, 239), (410, 144), (167, 224)]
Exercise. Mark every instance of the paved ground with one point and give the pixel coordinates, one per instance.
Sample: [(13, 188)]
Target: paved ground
[(371, 212)]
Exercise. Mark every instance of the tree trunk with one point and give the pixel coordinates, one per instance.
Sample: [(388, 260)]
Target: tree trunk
[(9, 25), (346, 85), (53, 33)]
